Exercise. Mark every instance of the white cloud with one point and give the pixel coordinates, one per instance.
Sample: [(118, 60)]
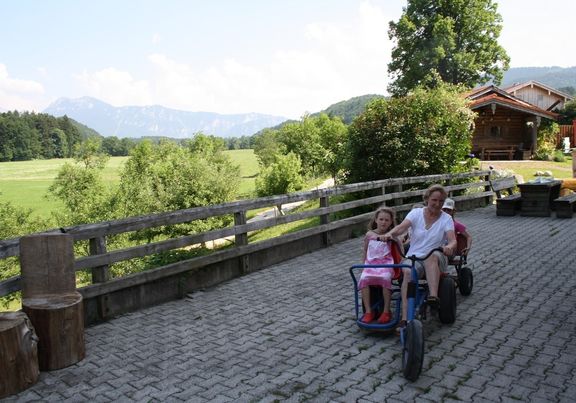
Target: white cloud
[(156, 38), (115, 87), (19, 94), (337, 62)]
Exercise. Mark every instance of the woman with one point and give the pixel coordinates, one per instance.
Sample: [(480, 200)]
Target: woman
[(430, 228)]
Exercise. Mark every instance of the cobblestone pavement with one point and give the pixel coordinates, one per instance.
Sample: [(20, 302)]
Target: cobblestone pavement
[(287, 333)]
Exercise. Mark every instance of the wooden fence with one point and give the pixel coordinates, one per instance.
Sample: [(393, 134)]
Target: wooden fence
[(568, 131), (106, 297)]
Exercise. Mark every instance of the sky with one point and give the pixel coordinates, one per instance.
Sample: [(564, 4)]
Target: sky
[(277, 57)]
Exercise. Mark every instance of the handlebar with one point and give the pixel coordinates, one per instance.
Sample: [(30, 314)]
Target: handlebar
[(414, 257)]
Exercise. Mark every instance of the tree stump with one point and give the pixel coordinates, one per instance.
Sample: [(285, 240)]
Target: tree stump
[(18, 353), (59, 323), (50, 299)]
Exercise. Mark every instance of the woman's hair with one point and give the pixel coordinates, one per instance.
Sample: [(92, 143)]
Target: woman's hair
[(432, 189), (372, 224)]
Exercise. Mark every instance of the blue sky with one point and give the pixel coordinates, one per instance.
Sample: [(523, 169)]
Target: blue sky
[(283, 58)]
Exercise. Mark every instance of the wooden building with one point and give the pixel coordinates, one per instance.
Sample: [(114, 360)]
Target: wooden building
[(506, 126), (539, 95)]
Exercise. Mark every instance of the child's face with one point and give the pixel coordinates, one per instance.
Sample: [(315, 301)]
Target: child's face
[(383, 221)]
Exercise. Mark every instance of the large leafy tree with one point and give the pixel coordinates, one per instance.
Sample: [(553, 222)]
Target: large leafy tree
[(424, 133), (457, 39)]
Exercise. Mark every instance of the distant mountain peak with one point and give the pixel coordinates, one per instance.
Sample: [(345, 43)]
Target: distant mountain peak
[(157, 120)]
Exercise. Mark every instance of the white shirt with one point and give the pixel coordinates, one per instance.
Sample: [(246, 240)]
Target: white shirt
[(423, 240)]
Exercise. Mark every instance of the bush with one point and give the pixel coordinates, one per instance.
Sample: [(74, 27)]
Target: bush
[(424, 133)]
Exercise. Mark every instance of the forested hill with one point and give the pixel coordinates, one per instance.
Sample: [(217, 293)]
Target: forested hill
[(560, 78), (26, 136), (351, 108)]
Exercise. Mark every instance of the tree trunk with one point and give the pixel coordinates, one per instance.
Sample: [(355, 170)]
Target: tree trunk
[(59, 323), (18, 353)]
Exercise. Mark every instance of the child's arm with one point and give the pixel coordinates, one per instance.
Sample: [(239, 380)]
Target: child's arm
[(468, 242)]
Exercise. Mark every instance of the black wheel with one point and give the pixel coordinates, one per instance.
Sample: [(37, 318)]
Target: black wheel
[(447, 295), (413, 350), (465, 281)]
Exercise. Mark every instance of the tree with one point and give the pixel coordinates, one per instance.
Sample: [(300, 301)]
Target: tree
[(267, 147), (89, 152), (427, 132), (169, 177), (568, 113), (457, 39), (282, 176)]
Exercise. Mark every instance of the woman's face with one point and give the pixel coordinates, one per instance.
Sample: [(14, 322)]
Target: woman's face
[(436, 201), (383, 221)]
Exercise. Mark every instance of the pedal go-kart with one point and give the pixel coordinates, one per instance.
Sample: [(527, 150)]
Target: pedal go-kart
[(463, 277), (411, 336)]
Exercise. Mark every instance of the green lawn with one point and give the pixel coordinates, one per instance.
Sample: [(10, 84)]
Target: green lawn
[(527, 169), (25, 183)]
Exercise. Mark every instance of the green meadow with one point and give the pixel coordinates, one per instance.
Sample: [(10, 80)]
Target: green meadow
[(25, 183)]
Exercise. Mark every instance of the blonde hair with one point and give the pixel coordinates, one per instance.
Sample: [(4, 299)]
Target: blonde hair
[(432, 189), (372, 224)]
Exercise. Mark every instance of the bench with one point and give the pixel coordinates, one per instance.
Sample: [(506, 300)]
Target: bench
[(505, 151), (509, 205), (507, 183), (565, 205)]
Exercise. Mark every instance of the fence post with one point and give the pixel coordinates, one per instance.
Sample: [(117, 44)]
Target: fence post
[(488, 188), (240, 240), (325, 219), (100, 274)]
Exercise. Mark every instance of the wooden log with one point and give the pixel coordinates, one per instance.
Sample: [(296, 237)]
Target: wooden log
[(59, 323), (47, 264), (18, 353)]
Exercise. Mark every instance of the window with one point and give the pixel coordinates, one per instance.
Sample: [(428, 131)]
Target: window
[(495, 131)]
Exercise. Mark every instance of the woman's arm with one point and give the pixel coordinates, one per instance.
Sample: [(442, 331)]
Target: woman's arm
[(398, 230), (450, 247), (468, 242)]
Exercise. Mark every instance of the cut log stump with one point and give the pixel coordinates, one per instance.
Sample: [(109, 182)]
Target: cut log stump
[(18, 353), (59, 323)]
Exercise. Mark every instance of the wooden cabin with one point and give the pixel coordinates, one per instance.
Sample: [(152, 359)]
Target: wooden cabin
[(506, 126), (539, 95)]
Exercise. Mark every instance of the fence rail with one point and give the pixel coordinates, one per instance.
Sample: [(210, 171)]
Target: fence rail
[(117, 295)]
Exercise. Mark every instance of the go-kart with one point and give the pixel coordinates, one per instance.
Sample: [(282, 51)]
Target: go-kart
[(412, 335), (463, 277)]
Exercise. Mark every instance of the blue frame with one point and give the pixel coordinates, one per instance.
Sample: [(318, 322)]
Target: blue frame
[(415, 298)]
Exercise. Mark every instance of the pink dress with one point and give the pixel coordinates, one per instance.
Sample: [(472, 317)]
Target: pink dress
[(377, 253)]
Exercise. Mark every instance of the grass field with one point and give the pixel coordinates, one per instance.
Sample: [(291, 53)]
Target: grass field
[(528, 168), (25, 183)]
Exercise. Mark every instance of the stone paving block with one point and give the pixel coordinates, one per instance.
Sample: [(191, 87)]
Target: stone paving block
[(309, 337)]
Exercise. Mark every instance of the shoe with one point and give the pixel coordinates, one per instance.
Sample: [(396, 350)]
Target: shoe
[(433, 301), (401, 325), (368, 317), (385, 317)]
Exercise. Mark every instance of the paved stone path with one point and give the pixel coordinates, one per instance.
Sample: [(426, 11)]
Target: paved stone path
[(287, 333)]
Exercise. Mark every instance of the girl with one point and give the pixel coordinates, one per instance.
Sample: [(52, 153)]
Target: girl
[(377, 252)]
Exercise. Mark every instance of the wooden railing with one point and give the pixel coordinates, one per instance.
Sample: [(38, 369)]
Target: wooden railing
[(107, 297)]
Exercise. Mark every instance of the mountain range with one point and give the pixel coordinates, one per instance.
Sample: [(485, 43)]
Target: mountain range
[(159, 121)]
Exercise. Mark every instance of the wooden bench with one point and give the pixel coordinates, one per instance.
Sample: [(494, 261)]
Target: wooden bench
[(507, 183), (565, 206), (504, 151), (509, 205)]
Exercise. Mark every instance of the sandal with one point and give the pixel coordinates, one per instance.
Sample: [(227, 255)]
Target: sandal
[(401, 325), (384, 318), (368, 317)]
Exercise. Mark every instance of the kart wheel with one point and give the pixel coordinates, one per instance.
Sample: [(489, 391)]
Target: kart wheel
[(413, 350), (447, 295), (465, 281)]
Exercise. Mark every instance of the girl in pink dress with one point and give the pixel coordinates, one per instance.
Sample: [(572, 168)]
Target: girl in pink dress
[(377, 252)]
